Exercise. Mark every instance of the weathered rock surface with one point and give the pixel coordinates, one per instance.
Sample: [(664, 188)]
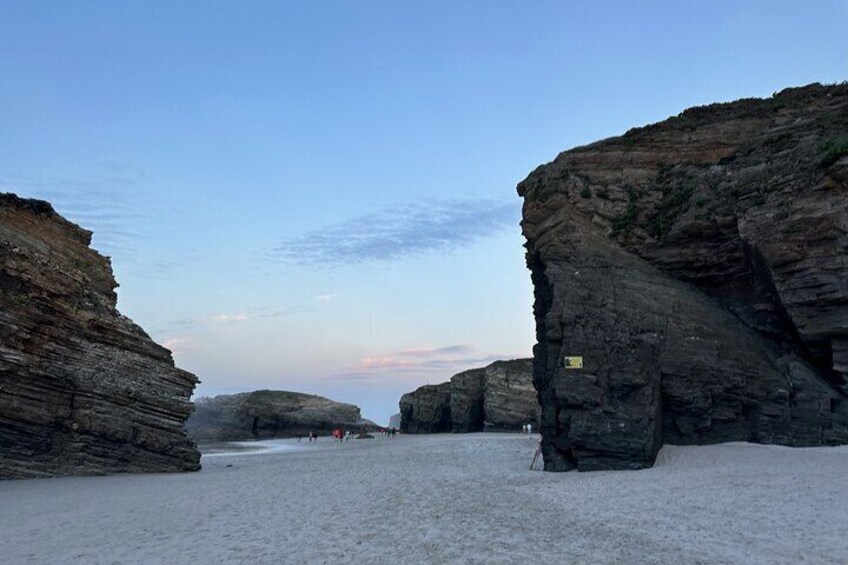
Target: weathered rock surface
[(498, 397), (700, 267), (83, 390), (266, 414), (510, 400), (426, 410), (467, 391)]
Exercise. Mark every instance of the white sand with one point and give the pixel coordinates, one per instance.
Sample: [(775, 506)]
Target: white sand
[(437, 499)]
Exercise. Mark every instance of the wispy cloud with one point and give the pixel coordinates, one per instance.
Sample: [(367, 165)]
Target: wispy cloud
[(179, 344), (100, 204), (204, 323), (398, 363), (257, 312), (436, 364), (113, 203), (419, 228), (227, 318), (430, 352), (430, 358), (324, 297), (164, 267), (384, 362), (417, 358)]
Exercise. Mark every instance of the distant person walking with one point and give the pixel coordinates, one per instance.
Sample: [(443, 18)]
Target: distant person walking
[(530, 429)]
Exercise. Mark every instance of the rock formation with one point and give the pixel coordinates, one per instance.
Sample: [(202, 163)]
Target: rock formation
[(426, 410), (83, 390), (270, 413), (700, 267), (498, 397)]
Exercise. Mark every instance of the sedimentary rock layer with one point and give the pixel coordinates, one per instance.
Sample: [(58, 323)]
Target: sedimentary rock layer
[(271, 413), (426, 410), (700, 267), (83, 390), (498, 397)]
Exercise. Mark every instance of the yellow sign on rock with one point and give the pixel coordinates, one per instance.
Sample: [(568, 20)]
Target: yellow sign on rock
[(573, 363)]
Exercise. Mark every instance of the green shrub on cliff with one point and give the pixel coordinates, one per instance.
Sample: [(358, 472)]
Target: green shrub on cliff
[(834, 149)]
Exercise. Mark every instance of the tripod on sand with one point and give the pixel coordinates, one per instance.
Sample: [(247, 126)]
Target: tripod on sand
[(536, 454)]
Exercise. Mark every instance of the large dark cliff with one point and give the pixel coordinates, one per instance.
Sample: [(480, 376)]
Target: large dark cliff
[(83, 390), (700, 267), (499, 396)]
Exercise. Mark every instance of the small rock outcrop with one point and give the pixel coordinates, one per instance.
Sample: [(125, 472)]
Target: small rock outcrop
[(498, 397), (264, 414), (700, 268), (83, 390)]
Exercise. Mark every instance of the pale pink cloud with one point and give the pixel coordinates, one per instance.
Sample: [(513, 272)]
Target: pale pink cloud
[(433, 364), (383, 362), (179, 344), (450, 358)]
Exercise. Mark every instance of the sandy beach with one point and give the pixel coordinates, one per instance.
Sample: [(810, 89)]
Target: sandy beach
[(440, 499)]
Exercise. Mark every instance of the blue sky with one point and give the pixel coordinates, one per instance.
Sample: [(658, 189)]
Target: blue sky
[(319, 196)]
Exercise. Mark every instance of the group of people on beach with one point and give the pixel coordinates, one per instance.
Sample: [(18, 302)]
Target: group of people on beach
[(527, 429), (340, 435)]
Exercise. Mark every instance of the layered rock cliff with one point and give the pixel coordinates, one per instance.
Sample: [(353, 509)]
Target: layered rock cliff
[(266, 414), (700, 267), (83, 390), (426, 410), (497, 397)]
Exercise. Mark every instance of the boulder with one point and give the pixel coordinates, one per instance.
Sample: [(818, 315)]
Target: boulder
[(83, 390), (700, 268), (264, 414)]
